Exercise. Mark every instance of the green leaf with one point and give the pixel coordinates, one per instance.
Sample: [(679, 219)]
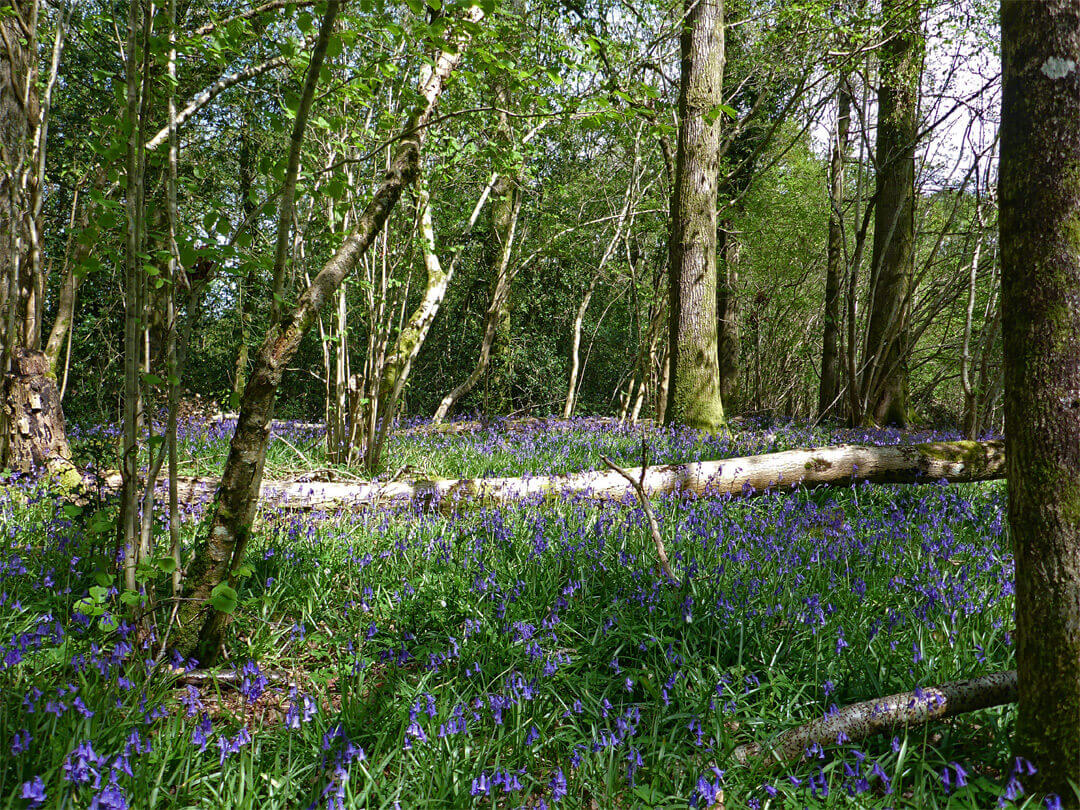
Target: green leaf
[(165, 564), (244, 570), (100, 523), (223, 598), (108, 624), (103, 579), (98, 593), (72, 510)]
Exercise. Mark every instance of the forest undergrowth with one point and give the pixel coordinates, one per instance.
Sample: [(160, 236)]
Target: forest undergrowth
[(517, 657)]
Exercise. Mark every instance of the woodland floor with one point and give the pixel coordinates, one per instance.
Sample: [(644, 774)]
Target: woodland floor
[(520, 657)]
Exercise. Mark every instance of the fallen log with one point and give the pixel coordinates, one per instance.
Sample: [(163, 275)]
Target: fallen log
[(904, 709), (958, 462)]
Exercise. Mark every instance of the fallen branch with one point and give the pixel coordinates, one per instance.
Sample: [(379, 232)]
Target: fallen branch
[(646, 505), (861, 720), (958, 462)]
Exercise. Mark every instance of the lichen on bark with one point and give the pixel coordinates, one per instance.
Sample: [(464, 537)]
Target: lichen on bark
[(1039, 193)]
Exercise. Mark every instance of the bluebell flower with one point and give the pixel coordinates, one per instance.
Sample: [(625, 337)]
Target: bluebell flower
[(480, 785), (20, 742), (1013, 791), (34, 792), (80, 766), (111, 798), (200, 735), (558, 786)]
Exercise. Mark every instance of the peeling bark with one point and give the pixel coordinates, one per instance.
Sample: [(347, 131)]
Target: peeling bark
[(36, 438)]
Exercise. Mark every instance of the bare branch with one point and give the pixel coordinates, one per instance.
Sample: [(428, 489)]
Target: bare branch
[(646, 505)]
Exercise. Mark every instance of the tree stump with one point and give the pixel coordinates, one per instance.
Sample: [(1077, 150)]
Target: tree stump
[(36, 437)]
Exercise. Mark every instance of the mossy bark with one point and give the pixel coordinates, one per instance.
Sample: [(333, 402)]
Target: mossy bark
[(885, 378), (694, 390), (1039, 190), (411, 338)]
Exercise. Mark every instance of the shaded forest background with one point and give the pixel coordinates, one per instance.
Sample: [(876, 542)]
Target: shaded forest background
[(574, 106)]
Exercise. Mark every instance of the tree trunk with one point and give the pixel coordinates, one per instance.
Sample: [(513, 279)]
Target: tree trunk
[(135, 313), (829, 390), (841, 465), (694, 388), (201, 626), (505, 223), (292, 166), (1039, 193), (411, 338), (35, 421), (885, 378), (18, 116), (970, 409)]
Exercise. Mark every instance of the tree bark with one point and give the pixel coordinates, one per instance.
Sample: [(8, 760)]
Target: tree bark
[(885, 378), (829, 390), (134, 295), (201, 626), (842, 465), (1039, 193), (18, 116), (694, 389), (35, 420), (903, 710), (971, 410)]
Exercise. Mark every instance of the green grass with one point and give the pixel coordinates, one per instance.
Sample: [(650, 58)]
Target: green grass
[(550, 635)]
